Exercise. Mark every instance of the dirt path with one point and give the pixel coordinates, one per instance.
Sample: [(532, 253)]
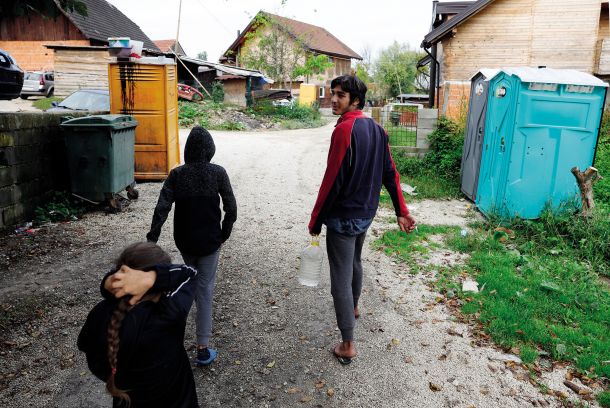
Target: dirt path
[(273, 335)]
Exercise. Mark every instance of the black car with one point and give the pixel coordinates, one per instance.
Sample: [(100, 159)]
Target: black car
[(95, 100), (11, 77)]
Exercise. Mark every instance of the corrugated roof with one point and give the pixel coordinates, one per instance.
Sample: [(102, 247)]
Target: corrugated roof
[(314, 38), (442, 30), (227, 69), (104, 20)]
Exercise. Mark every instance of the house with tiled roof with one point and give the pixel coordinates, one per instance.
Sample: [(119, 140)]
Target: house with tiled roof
[(311, 39), (467, 36), (169, 47), (26, 37)]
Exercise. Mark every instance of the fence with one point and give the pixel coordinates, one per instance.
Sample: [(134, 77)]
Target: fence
[(400, 121)]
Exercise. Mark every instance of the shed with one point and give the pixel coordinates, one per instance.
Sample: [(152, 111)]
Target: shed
[(79, 67), (539, 123)]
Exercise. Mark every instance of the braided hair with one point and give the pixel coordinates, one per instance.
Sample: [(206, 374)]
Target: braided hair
[(143, 256)]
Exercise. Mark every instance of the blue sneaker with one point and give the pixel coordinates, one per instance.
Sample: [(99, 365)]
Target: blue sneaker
[(205, 356)]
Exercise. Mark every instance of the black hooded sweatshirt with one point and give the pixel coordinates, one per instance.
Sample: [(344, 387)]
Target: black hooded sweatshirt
[(151, 363), (196, 188)]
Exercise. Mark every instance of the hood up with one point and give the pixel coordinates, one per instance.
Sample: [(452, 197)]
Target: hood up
[(199, 146)]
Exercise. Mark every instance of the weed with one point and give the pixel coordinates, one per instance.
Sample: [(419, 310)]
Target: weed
[(604, 399), (59, 206), (528, 354), (46, 103), (218, 92)]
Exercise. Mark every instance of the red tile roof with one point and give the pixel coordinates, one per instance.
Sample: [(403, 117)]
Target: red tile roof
[(315, 39)]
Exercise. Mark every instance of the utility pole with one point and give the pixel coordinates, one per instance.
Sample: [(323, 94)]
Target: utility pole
[(178, 29)]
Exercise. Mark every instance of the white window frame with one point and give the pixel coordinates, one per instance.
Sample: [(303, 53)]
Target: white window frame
[(322, 92)]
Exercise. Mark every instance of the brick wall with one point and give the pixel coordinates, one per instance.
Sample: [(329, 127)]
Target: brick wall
[(33, 55), (453, 99), (32, 163)]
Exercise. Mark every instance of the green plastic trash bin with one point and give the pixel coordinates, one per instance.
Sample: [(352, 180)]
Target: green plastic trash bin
[(101, 155)]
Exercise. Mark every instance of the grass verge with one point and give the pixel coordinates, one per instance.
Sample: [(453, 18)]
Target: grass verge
[(45, 103)]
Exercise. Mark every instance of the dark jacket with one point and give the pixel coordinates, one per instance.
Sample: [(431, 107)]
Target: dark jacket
[(152, 364), (359, 162), (196, 187)]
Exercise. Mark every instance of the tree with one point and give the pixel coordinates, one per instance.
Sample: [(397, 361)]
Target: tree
[(45, 8), (314, 65), (396, 69), (270, 48), (203, 55)]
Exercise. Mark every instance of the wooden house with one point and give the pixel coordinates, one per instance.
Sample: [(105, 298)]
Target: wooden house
[(26, 37), (306, 38), (468, 36)]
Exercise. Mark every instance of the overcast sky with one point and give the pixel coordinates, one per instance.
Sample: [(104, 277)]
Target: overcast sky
[(211, 25)]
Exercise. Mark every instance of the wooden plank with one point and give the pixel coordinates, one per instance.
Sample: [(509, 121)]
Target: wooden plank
[(80, 69)]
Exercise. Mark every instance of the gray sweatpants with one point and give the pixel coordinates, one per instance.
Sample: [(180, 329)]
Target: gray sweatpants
[(344, 253), (206, 267)]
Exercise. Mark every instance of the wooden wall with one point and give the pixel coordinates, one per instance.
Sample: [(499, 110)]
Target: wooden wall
[(235, 91), (36, 28), (555, 33), (75, 69)]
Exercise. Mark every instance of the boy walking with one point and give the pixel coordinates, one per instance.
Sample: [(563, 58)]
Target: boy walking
[(196, 187), (359, 162)]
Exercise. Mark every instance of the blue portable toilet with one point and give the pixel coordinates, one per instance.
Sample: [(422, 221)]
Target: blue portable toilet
[(540, 122)]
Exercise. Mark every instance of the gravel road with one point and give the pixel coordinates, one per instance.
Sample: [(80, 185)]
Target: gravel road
[(273, 335)]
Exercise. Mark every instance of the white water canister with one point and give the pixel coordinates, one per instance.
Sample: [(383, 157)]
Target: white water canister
[(311, 263)]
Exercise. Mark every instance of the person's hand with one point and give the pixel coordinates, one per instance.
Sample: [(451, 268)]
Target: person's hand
[(406, 223), (127, 281)]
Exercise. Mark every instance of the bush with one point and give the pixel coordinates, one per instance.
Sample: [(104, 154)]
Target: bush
[(445, 155), (218, 92), (295, 111), (59, 206)]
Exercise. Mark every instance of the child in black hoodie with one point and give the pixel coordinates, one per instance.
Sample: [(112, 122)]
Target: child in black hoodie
[(196, 187), (136, 343)]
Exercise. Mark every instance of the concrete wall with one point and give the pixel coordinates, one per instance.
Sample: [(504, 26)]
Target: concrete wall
[(32, 163), (427, 122)]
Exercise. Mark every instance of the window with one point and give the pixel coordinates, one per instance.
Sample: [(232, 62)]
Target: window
[(321, 92)]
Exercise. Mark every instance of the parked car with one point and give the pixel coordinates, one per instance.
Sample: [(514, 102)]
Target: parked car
[(96, 100), (11, 77), (38, 83)]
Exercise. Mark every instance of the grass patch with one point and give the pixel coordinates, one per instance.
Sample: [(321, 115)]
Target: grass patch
[(45, 103), (401, 136), (397, 243), (535, 299), (604, 399)]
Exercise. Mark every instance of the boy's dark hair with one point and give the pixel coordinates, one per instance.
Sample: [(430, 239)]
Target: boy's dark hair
[(143, 256), (353, 85)]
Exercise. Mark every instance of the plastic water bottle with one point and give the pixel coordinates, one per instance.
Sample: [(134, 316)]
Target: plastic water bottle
[(311, 263)]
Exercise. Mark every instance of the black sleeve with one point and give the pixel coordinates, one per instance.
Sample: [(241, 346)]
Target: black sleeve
[(179, 282), (105, 293), (164, 206), (229, 205)]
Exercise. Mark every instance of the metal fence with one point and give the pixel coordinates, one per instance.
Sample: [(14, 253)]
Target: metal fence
[(400, 121)]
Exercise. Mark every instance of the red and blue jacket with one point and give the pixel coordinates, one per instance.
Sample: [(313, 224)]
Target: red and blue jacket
[(359, 162)]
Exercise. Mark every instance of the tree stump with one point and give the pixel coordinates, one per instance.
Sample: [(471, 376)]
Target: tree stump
[(585, 181)]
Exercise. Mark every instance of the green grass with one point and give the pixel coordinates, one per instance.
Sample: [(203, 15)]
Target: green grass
[(534, 296), (539, 298), (401, 136), (45, 103), (604, 399), (397, 243)]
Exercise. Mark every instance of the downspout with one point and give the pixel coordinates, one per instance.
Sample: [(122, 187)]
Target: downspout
[(434, 74)]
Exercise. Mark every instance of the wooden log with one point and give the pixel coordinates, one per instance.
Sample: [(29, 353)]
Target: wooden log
[(585, 181)]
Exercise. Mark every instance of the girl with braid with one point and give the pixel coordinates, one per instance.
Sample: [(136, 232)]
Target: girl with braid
[(133, 339)]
